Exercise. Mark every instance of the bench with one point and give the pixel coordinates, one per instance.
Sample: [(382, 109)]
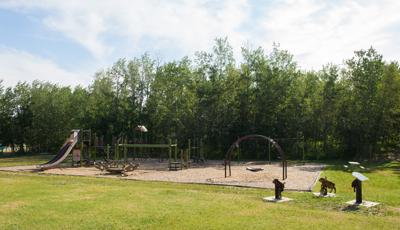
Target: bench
[(175, 166)]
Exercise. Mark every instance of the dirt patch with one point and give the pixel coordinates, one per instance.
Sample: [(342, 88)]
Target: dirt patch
[(24, 168), (300, 177)]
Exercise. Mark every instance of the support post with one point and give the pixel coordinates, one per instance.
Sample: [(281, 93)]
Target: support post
[(125, 150), (225, 167), (181, 159), (357, 186), (94, 152), (169, 151), (285, 169), (269, 152), (108, 152), (116, 152), (230, 172), (89, 144), (176, 150), (304, 143), (81, 155), (189, 147), (238, 157), (201, 149)]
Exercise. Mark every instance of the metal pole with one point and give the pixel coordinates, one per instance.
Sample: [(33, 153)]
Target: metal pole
[(189, 146), (238, 158), (304, 143), (181, 158), (269, 152), (125, 150), (201, 149), (90, 145), (81, 155), (285, 170), (225, 167), (116, 153), (169, 152), (176, 150), (230, 172), (359, 192), (108, 152)]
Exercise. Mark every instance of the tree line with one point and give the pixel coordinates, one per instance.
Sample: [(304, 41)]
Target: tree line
[(342, 111)]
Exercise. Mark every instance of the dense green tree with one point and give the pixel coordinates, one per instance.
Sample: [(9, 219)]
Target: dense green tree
[(331, 95), (51, 121), (6, 116), (389, 107), (22, 115), (365, 72), (352, 111)]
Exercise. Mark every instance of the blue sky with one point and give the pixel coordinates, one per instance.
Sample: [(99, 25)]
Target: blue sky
[(66, 42)]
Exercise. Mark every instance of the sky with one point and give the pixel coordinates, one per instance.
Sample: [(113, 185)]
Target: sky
[(66, 42)]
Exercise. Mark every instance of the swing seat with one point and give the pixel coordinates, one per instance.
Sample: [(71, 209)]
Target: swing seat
[(254, 169)]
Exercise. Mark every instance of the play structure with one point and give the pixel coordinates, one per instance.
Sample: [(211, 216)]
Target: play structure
[(116, 167), (325, 185), (83, 148), (78, 149), (65, 150), (172, 149), (262, 150), (279, 187), (357, 186), (231, 152), (195, 148)]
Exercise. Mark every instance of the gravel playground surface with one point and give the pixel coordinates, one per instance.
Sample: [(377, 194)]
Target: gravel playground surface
[(301, 177)]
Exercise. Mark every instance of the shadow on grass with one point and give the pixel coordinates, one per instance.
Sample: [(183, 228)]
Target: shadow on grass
[(351, 208)]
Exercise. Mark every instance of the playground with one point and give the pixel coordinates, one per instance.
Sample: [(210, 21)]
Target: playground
[(303, 176), (84, 154), (136, 185)]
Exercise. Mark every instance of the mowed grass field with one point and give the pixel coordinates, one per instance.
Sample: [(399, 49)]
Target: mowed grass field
[(23, 160), (33, 201)]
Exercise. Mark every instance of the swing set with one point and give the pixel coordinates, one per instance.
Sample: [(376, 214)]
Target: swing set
[(231, 152)]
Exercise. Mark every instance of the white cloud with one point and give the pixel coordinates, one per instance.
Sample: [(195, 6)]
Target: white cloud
[(318, 32), (185, 24), (18, 66), (315, 31)]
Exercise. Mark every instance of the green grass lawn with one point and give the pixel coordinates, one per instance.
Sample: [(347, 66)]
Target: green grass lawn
[(32, 201), (24, 160)]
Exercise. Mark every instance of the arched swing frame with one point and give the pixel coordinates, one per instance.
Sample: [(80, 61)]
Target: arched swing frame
[(235, 145)]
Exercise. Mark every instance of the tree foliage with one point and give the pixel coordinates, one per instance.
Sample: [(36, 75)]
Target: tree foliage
[(352, 111)]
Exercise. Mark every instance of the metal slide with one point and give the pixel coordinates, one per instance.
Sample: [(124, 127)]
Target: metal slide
[(63, 153)]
